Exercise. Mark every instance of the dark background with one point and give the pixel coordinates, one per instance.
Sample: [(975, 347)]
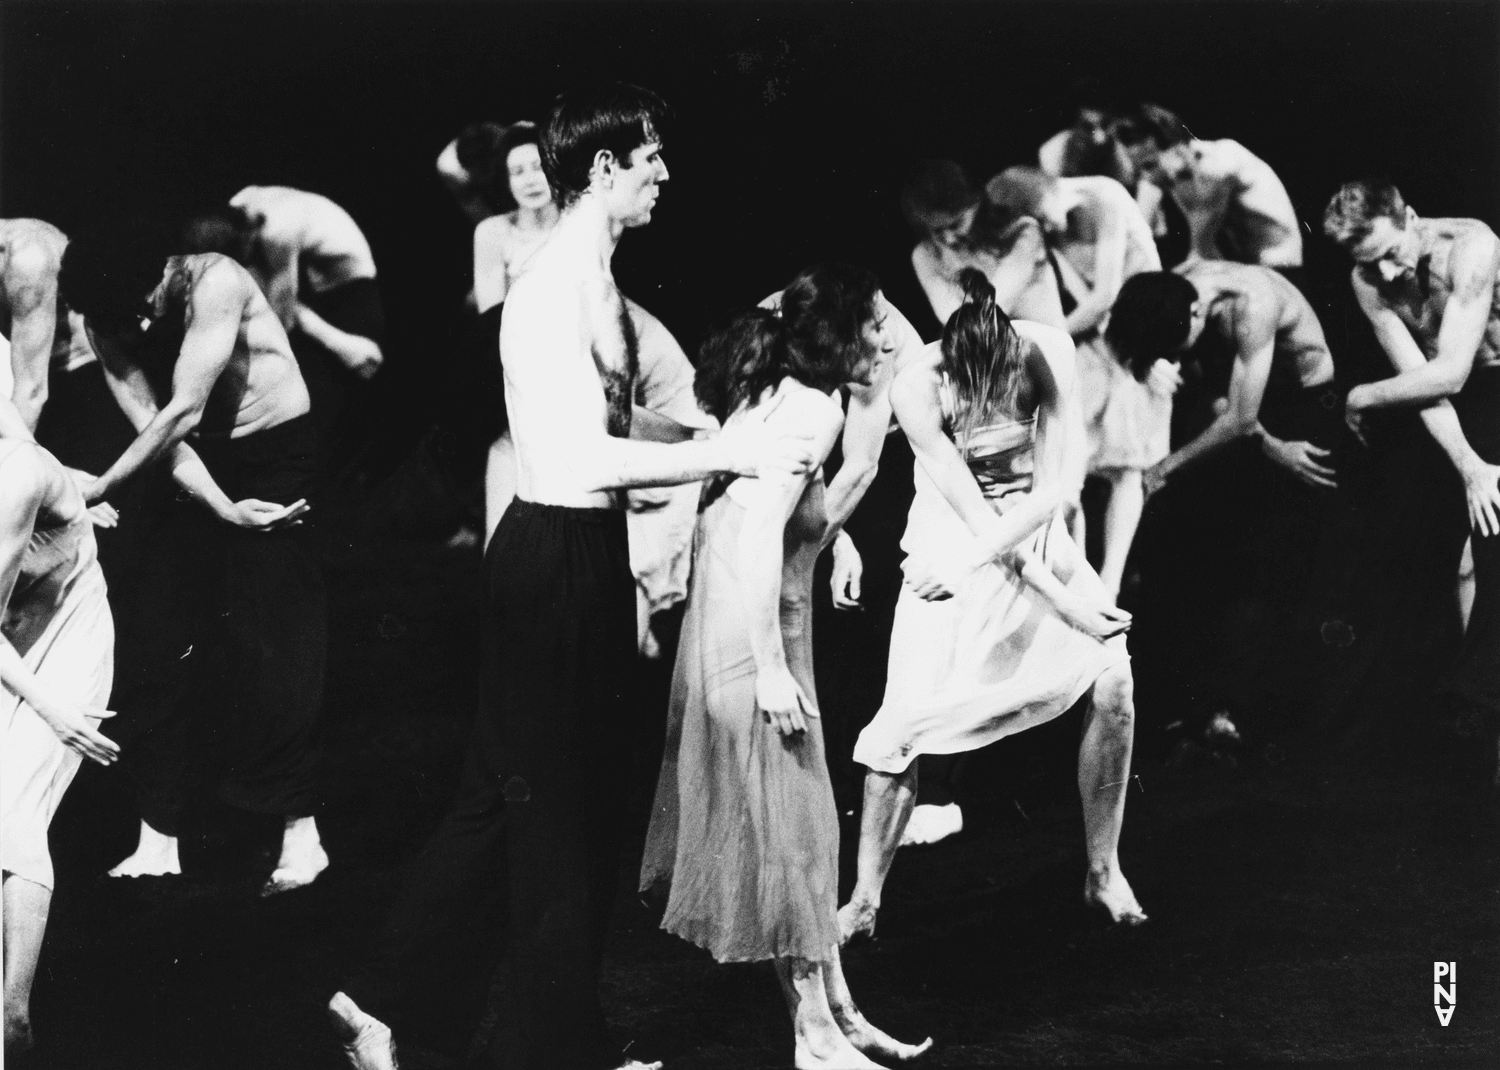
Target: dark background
[(796, 122), (1298, 901)]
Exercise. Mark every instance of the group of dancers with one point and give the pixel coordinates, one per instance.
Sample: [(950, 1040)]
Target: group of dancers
[(621, 477)]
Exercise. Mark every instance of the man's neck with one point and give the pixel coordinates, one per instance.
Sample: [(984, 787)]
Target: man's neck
[(587, 226)]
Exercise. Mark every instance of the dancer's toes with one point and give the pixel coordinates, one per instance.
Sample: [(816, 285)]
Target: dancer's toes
[(1112, 892), (18, 1038), (875, 1042), (149, 864), (367, 1041), (856, 918), (929, 824), (830, 1051), (636, 1064), (297, 871)]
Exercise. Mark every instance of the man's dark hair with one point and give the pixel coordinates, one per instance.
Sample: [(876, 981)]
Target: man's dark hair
[(1355, 207), (108, 281), (936, 188), (1150, 122), (1150, 319), (220, 230), (615, 117), (477, 144), (1088, 93)]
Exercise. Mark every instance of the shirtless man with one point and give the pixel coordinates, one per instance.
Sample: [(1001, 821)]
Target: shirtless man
[(956, 227), (532, 844), (1431, 290), (1276, 339), (315, 267), (1101, 239), (1236, 207), (192, 349)]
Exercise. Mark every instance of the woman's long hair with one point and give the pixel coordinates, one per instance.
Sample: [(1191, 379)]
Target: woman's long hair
[(817, 336), (983, 357)]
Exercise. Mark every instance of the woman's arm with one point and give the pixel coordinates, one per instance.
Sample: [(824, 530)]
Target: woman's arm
[(769, 503), (22, 488)]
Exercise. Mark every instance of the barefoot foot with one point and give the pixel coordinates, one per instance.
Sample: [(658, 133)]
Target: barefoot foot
[(296, 872), (1112, 892), (929, 824), (856, 918), (367, 1041), (828, 1049), (875, 1042), (18, 1038), (155, 856)]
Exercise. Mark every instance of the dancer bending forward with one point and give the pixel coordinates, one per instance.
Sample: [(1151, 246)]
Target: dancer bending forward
[(57, 646), (744, 825), (1002, 624)]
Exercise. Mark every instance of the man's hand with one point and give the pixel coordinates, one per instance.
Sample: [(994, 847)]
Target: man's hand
[(1164, 379), (848, 569), (782, 702), (1302, 459), (255, 515), (104, 515), (1482, 490), (85, 483), (1154, 478), (753, 449), (1354, 411)]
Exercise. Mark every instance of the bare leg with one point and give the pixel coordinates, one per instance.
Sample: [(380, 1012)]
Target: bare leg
[(26, 906), (367, 1040), (889, 798), (1103, 776), (499, 482), (821, 1044), (855, 1026), (1127, 498), (1466, 584), (155, 856), (302, 857)]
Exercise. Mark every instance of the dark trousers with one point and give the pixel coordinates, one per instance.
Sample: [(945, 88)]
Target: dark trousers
[(340, 399), (1475, 678), (227, 635), (527, 861)]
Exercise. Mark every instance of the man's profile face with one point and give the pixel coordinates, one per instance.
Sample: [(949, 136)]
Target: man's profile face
[(636, 185), (950, 231), (1197, 320), (880, 343), (1388, 252)]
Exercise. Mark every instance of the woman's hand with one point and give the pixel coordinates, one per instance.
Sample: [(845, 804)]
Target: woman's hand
[(782, 701), (71, 723), (935, 578), (1482, 490), (1101, 620), (848, 570)]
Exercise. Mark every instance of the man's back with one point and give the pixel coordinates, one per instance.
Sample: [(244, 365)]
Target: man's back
[(1259, 224), (1267, 301), (327, 243), (1105, 201), (260, 385), (29, 250)]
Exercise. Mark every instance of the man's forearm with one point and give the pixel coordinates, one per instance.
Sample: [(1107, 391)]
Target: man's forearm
[(1442, 424), (844, 495), (1433, 381), (163, 434), (1224, 430), (621, 464), (354, 351)]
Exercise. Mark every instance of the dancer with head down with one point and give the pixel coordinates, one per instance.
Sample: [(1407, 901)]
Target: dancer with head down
[(1002, 625)]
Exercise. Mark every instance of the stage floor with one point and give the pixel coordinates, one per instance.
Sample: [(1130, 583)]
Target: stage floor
[(1297, 905)]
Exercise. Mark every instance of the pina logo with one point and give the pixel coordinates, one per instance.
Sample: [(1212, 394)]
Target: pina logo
[(1444, 971)]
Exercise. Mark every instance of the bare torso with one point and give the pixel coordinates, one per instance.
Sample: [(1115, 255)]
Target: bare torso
[(1104, 197), (503, 248), (1239, 293), (1233, 192), (328, 245), (31, 253), (570, 355), (1420, 299), (261, 386)]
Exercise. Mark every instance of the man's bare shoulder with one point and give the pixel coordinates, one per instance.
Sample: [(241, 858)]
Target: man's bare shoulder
[(1106, 192), (1469, 236), (32, 249), (919, 373), (213, 278)]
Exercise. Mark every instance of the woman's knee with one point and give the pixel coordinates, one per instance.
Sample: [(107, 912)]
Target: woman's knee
[(1114, 696)]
